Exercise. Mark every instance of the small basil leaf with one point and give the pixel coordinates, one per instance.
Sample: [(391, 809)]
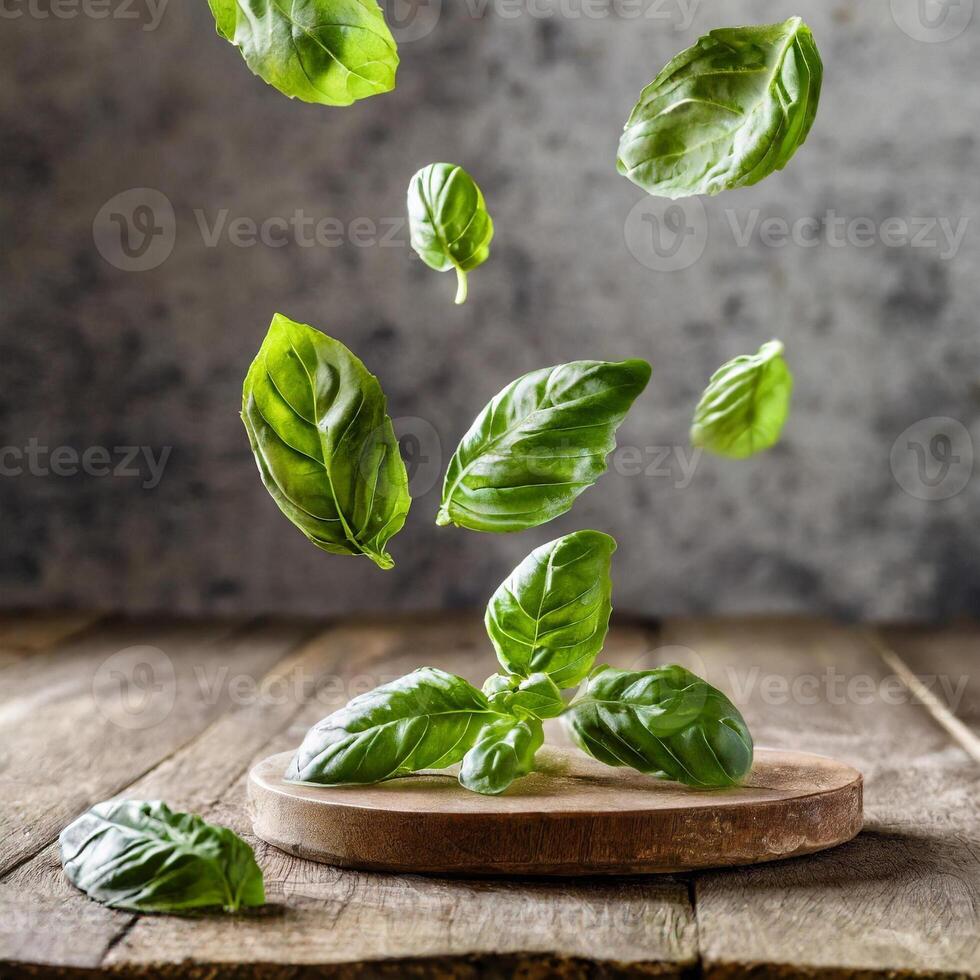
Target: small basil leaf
[(666, 722), (746, 404), (324, 443), (537, 695), (331, 52), (724, 113), (504, 752), (426, 720), (448, 220), (144, 857), (540, 443), (552, 613)]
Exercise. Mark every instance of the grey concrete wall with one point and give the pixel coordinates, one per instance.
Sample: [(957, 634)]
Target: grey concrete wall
[(881, 332)]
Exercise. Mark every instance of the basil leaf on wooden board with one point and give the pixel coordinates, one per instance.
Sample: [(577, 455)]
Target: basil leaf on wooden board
[(540, 442), (426, 720), (448, 220), (746, 404), (144, 857), (666, 722), (323, 442), (330, 52), (725, 113), (552, 614), (536, 695), (503, 752)]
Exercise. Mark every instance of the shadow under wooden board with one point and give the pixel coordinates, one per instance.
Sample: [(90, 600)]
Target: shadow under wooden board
[(573, 817)]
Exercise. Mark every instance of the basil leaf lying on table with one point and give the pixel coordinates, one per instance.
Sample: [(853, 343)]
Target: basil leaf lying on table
[(666, 722), (330, 52), (725, 113), (552, 613), (536, 695), (448, 220), (540, 443), (426, 720), (746, 404), (504, 752), (323, 442), (146, 858)]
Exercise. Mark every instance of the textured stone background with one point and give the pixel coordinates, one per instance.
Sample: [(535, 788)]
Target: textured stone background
[(879, 337)]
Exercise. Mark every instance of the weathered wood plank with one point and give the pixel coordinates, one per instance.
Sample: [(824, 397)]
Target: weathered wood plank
[(947, 661), (325, 919), (27, 633), (84, 721), (904, 896)]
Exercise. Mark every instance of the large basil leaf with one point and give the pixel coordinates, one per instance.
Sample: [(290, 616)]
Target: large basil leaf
[(746, 404), (426, 720), (144, 857), (323, 442), (552, 613), (666, 722), (537, 695), (504, 752), (539, 443), (332, 52), (448, 220), (724, 113)]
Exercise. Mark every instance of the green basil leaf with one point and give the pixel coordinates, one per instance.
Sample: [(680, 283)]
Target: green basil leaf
[(323, 442), (537, 695), (448, 220), (666, 722), (331, 52), (746, 404), (540, 442), (725, 113), (426, 720), (552, 614), (146, 858), (504, 752)]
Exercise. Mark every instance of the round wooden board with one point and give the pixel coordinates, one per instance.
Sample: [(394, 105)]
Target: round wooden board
[(574, 817)]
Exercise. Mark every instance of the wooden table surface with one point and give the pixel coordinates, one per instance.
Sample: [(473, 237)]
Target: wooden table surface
[(92, 708)]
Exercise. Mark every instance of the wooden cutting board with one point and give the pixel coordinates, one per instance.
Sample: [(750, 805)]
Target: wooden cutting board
[(574, 817)]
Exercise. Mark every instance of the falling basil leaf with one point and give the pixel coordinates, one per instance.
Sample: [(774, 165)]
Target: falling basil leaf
[(537, 695), (540, 443), (746, 404), (448, 220), (725, 113), (426, 720), (503, 752), (666, 722), (331, 52), (552, 613), (323, 442), (144, 857)]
